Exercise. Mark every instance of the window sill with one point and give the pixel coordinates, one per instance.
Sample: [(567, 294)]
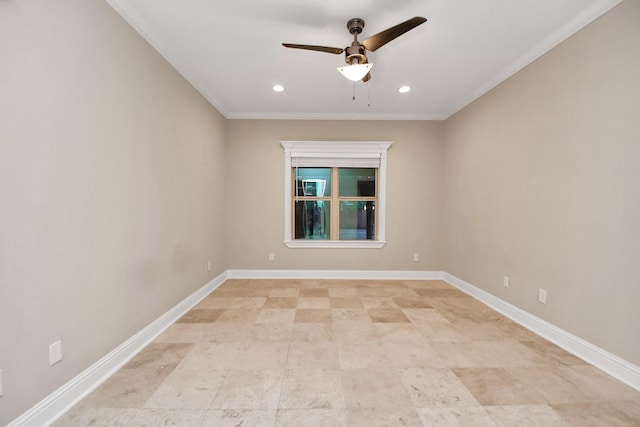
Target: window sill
[(335, 244)]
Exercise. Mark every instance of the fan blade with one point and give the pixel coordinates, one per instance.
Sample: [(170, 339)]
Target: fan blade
[(378, 40), (334, 50), (366, 78)]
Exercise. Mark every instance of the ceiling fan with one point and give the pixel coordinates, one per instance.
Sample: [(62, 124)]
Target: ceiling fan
[(355, 55)]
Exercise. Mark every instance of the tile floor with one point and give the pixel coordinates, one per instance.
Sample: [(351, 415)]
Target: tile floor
[(352, 353)]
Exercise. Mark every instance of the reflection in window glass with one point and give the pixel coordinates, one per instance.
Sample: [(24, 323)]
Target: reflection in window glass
[(312, 220), (315, 182), (357, 220), (357, 182)]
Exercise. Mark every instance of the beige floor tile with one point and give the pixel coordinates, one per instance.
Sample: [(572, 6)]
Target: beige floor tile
[(202, 332), (350, 315), (188, 388), (513, 330), (366, 354), (419, 354), (424, 315), (487, 354), (239, 417), (239, 315), (201, 316), (307, 315), (284, 293), (552, 352), (374, 388), (440, 331), (402, 293), (311, 332), (482, 331), (409, 302), (276, 315), (443, 292), (82, 417), (280, 302), (313, 302), (314, 292), (597, 414), (269, 332), (596, 384), (228, 331), (249, 389), (309, 355), (160, 355), (343, 293), (496, 386), (169, 417), (378, 302), (384, 315), (548, 382), (260, 355), (211, 355), (346, 302), (404, 333), (432, 388), (127, 388), (228, 303), (353, 332), (311, 418), (470, 416), (373, 292), (311, 389), (384, 417), (526, 415), (241, 292)]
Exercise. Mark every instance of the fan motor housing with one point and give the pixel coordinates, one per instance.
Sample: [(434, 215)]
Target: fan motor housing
[(355, 25)]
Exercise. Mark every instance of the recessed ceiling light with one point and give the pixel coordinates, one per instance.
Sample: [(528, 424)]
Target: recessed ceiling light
[(404, 89), (278, 88)]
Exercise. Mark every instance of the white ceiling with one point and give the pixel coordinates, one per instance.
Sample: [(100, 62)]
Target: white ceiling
[(231, 51)]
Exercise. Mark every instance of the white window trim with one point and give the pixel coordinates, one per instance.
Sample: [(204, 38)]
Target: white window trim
[(337, 150)]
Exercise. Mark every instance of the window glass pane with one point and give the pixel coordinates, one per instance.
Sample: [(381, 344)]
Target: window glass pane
[(312, 220), (312, 182), (357, 182), (357, 220)]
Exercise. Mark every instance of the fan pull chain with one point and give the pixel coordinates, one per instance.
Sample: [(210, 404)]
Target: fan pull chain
[(369, 95), (354, 91)]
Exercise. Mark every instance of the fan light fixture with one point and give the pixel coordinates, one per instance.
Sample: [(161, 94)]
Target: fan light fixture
[(355, 72)]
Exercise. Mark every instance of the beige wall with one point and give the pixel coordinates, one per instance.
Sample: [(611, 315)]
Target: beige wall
[(111, 181), (542, 185), (255, 204)]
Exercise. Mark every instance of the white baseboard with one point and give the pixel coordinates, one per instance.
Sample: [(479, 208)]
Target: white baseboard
[(57, 403), (60, 401), (613, 365), (336, 274)]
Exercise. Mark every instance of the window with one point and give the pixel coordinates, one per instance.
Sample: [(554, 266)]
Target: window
[(335, 194)]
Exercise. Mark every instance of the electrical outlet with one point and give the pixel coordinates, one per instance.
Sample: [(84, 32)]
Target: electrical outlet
[(208, 265), (272, 256), (506, 281), (416, 256), (542, 295), (55, 353)]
